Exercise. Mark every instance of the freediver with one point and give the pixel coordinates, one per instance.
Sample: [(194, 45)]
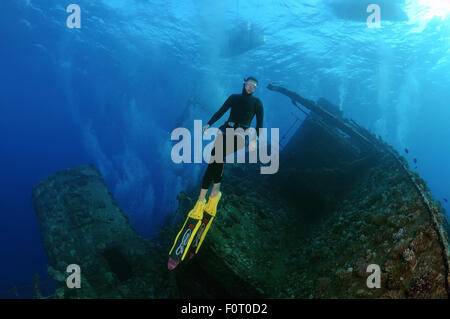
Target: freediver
[(243, 107)]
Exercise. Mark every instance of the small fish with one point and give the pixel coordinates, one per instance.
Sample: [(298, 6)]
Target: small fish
[(406, 150), (415, 160), (445, 199)]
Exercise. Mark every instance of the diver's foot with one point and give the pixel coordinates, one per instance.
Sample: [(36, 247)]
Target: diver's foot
[(197, 211), (211, 205), (213, 194)]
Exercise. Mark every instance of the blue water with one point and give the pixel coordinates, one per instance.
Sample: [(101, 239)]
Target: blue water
[(111, 92)]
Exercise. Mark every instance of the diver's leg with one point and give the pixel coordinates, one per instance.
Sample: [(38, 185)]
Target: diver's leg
[(219, 169), (213, 171), (202, 195), (238, 144), (215, 190), (217, 178)]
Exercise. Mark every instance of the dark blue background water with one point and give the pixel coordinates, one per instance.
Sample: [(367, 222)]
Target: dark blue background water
[(111, 93)]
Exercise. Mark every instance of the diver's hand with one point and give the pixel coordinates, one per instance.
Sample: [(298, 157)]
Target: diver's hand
[(252, 146), (205, 127)]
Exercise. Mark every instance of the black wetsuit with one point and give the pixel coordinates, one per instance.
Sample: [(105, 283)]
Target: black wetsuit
[(243, 107)]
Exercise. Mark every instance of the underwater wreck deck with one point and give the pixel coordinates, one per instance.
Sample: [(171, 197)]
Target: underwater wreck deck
[(342, 200)]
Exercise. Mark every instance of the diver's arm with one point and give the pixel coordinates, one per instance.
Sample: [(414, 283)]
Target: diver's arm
[(259, 124), (220, 112), (259, 117)]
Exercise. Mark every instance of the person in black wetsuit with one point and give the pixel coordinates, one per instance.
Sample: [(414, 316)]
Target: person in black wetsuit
[(243, 107)]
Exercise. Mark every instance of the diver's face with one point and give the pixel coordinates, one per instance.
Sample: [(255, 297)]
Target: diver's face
[(250, 86)]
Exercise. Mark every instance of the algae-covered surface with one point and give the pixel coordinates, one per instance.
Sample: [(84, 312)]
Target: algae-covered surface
[(271, 249), (81, 224)]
